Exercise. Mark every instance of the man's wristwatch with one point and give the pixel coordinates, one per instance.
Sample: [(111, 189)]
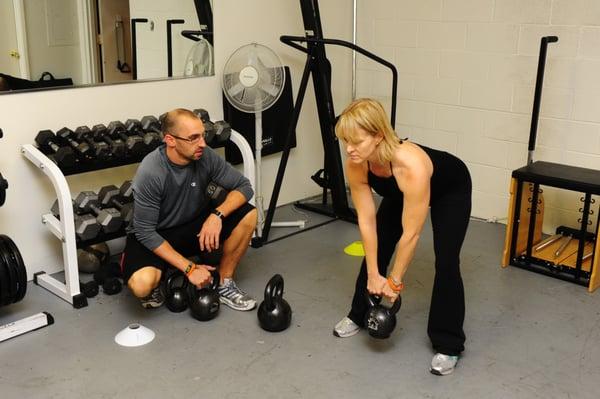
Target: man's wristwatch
[(189, 269), (218, 213)]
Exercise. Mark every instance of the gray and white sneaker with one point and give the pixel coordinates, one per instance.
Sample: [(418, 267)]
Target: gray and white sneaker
[(346, 328), (154, 300), (443, 364), (232, 296)]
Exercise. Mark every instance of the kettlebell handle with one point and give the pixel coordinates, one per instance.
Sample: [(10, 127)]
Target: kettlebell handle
[(393, 309), (396, 306), (169, 282), (216, 279), (193, 290), (273, 290), (370, 298)]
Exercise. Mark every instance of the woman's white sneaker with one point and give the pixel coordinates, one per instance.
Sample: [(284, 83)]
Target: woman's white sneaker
[(443, 364), (346, 328)]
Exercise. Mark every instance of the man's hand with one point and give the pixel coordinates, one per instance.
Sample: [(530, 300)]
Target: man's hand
[(209, 234), (201, 276)]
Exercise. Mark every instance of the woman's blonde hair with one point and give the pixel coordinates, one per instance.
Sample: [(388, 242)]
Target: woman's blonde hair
[(369, 115)]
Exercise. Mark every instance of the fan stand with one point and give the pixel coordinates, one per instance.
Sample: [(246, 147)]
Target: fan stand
[(258, 182)]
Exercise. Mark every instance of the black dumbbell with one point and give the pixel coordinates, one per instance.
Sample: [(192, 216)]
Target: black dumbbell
[(216, 194), (110, 196), (148, 128), (133, 127), (90, 289), (126, 190), (63, 156), (151, 127), (82, 150), (117, 147), (110, 219), (86, 226), (108, 276), (151, 124), (100, 149), (209, 132), (134, 144), (202, 114), (222, 132)]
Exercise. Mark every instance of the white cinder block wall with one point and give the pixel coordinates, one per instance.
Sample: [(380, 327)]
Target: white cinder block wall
[(467, 72)]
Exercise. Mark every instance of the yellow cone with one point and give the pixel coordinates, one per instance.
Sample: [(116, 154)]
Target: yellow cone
[(355, 249)]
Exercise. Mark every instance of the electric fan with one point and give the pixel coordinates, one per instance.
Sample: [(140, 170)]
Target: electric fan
[(199, 61), (253, 79)]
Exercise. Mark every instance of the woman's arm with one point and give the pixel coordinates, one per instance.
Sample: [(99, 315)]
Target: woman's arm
[(414, 182), (362, 199)]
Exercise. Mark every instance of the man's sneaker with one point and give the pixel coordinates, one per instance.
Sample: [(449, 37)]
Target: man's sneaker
[(443, 364), (154, 300), (234, 297), (346, 328)]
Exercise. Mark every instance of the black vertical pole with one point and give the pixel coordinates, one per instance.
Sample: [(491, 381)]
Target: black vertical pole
[(171, 22), (583, 234), (537, 99), (286, 149), (532, 216), (515, 221), (135, 21), (205, 18), (321, 73)]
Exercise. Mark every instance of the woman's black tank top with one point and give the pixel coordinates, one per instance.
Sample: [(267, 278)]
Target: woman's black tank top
[(449, 174)]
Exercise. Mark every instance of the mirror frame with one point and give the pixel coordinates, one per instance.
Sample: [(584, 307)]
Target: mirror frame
[(84, 13)]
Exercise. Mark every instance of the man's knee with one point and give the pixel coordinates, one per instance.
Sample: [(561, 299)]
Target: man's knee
[(248, 222), (143, 281)]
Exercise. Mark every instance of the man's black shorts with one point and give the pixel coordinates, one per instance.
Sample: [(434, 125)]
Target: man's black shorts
[(183, 239)]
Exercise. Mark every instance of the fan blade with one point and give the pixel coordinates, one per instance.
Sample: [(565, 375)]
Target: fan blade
[(270, 89), (261, 64), (236, 89), (252, 58)]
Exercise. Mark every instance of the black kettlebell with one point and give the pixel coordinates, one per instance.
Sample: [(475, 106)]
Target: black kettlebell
[(204, 303), (112, 286), (175, 292), (274, 313), (380, 320)]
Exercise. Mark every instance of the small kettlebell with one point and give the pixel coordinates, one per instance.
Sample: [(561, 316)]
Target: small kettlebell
[(175, 292), (274, 313), (380, 320), (204, 303)]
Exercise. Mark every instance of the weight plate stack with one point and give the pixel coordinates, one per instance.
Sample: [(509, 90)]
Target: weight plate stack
[(13, 275)]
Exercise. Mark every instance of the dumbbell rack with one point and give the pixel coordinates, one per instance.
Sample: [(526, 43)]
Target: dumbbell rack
[(64, 229)]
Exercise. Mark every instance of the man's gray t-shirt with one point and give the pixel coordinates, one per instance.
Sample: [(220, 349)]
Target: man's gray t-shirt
[(168, 195)]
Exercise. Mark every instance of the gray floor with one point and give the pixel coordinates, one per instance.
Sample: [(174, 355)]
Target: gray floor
[(528, 335)]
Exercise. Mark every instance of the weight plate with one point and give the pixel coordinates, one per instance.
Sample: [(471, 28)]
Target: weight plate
[(21, 270), (11, 272), (4, 283)]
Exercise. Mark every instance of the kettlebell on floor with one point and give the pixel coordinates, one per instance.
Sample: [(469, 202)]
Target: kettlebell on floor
[(176, 292), (204, 303), (274, 313)]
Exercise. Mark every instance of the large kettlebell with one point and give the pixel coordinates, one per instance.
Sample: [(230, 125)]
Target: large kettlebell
[(274, 313), (380, 320), (204, 303), (175, 292)]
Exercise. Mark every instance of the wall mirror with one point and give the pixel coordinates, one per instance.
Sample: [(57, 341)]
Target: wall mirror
[(56, 43)]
